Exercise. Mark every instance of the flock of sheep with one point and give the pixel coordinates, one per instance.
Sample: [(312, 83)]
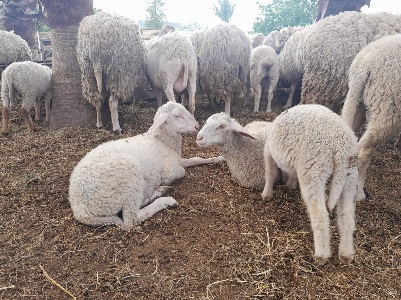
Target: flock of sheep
[(349, 63)]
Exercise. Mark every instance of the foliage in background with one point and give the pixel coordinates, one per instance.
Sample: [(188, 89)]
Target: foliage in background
[(155, 15), (284, 13), (224, 10)]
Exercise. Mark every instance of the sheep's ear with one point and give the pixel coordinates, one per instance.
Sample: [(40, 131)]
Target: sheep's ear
[(241, 130), (159, 121)]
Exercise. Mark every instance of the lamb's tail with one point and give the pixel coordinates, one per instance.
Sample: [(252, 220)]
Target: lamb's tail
[(342, 166), (264, 65), (354, 98)]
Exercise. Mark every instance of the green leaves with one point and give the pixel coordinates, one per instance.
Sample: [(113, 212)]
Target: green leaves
[(155, 15), (225, 10)]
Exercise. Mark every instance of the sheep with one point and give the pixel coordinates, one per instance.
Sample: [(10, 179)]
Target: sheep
[(277, 38), (329, 49), (171, 66), (26, 81), (291, 60), (129, 175), (374, 95), (334, 7), (241, 147), (256, 40), (224, 62), (314, 145), (196, 39), (13, 48), (265, 68), (111, 56)]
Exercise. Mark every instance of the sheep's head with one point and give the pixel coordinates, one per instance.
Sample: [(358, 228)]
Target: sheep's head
[(174, 117), (217, 129)]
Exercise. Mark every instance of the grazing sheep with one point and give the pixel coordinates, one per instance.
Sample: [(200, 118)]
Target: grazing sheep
[(224, 62), (291, 60), (241, 147), (277, 38), (314, 144), (329, 49), (111, 56), (129, 175), (264, 74), (172, 66), (26, 81), (13, 48), (374, 95)]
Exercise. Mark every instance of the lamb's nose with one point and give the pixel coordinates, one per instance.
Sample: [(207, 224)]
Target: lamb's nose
[(197, 127)]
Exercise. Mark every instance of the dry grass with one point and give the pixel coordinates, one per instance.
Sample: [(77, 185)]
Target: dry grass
[(221, 242)]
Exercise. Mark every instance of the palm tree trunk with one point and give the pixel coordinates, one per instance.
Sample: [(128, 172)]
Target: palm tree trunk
[(69, 107)]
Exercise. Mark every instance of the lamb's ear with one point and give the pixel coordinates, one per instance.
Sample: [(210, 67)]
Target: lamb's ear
[(159, 121), (241, 130)]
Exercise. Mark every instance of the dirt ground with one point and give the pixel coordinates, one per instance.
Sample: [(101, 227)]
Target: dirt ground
[(221, 242)]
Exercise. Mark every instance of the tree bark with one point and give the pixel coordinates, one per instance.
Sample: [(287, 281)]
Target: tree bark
[(69, 107)]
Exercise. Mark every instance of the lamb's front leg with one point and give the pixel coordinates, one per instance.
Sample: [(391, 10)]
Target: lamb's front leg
[(271, 172), (194, 161), (161, 190), (154, 207)]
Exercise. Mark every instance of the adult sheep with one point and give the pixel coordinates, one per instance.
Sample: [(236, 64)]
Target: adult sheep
[(171, 66), (329, 49), (111, 56), (374, 95), (129, 175), (264, 73), (28, 82), (13, 48), (224, 62), (314, 145), (277, 38)]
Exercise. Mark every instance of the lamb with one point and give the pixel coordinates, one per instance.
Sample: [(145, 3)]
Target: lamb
[(256, 40), (172, 66), (224, 62), (129, 175), (277, 38), (313, 144), (265, 68), (329, 49), (13, 48), (374, 95), (241, 147), (111, 56), (26, 81)]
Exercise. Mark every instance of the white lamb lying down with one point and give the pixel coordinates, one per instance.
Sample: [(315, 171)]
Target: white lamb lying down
[(241, 147), (129, 175), (314, 144)]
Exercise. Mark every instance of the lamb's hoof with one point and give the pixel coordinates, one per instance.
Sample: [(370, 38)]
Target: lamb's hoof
[(268, 110), (287, 106), (320, 261), (117, 131), (267, 196), (346, 260), (360, 196)]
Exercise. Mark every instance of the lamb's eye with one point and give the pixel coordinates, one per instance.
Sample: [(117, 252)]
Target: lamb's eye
[(222, 126)]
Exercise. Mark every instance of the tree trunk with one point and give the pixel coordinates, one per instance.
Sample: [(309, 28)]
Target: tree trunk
[(69, 107)]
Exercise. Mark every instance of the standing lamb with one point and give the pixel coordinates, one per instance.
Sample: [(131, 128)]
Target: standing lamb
[(26, 81), (111, 56), (265, 68), (171, 66), (329, 49), (224, 62), (129, 175), (374, 95), (314, 144), (241, 147)]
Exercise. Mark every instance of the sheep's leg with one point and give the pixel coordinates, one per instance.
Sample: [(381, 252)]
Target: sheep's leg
[(25, 112), (359, 118), (159, 97), (169, 94), (346, 219), (194, 161), (47, 97), (270, 91), (154, 207), (397, 144), (258, 95), (191, 96), (227, 105), (313, 193), (160, 191), (37, 109), (113, 103), (291, 95), (6, 119), (98, 107), (271, 173)]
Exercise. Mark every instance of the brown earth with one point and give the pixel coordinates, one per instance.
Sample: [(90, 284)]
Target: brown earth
[(220, 242)]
